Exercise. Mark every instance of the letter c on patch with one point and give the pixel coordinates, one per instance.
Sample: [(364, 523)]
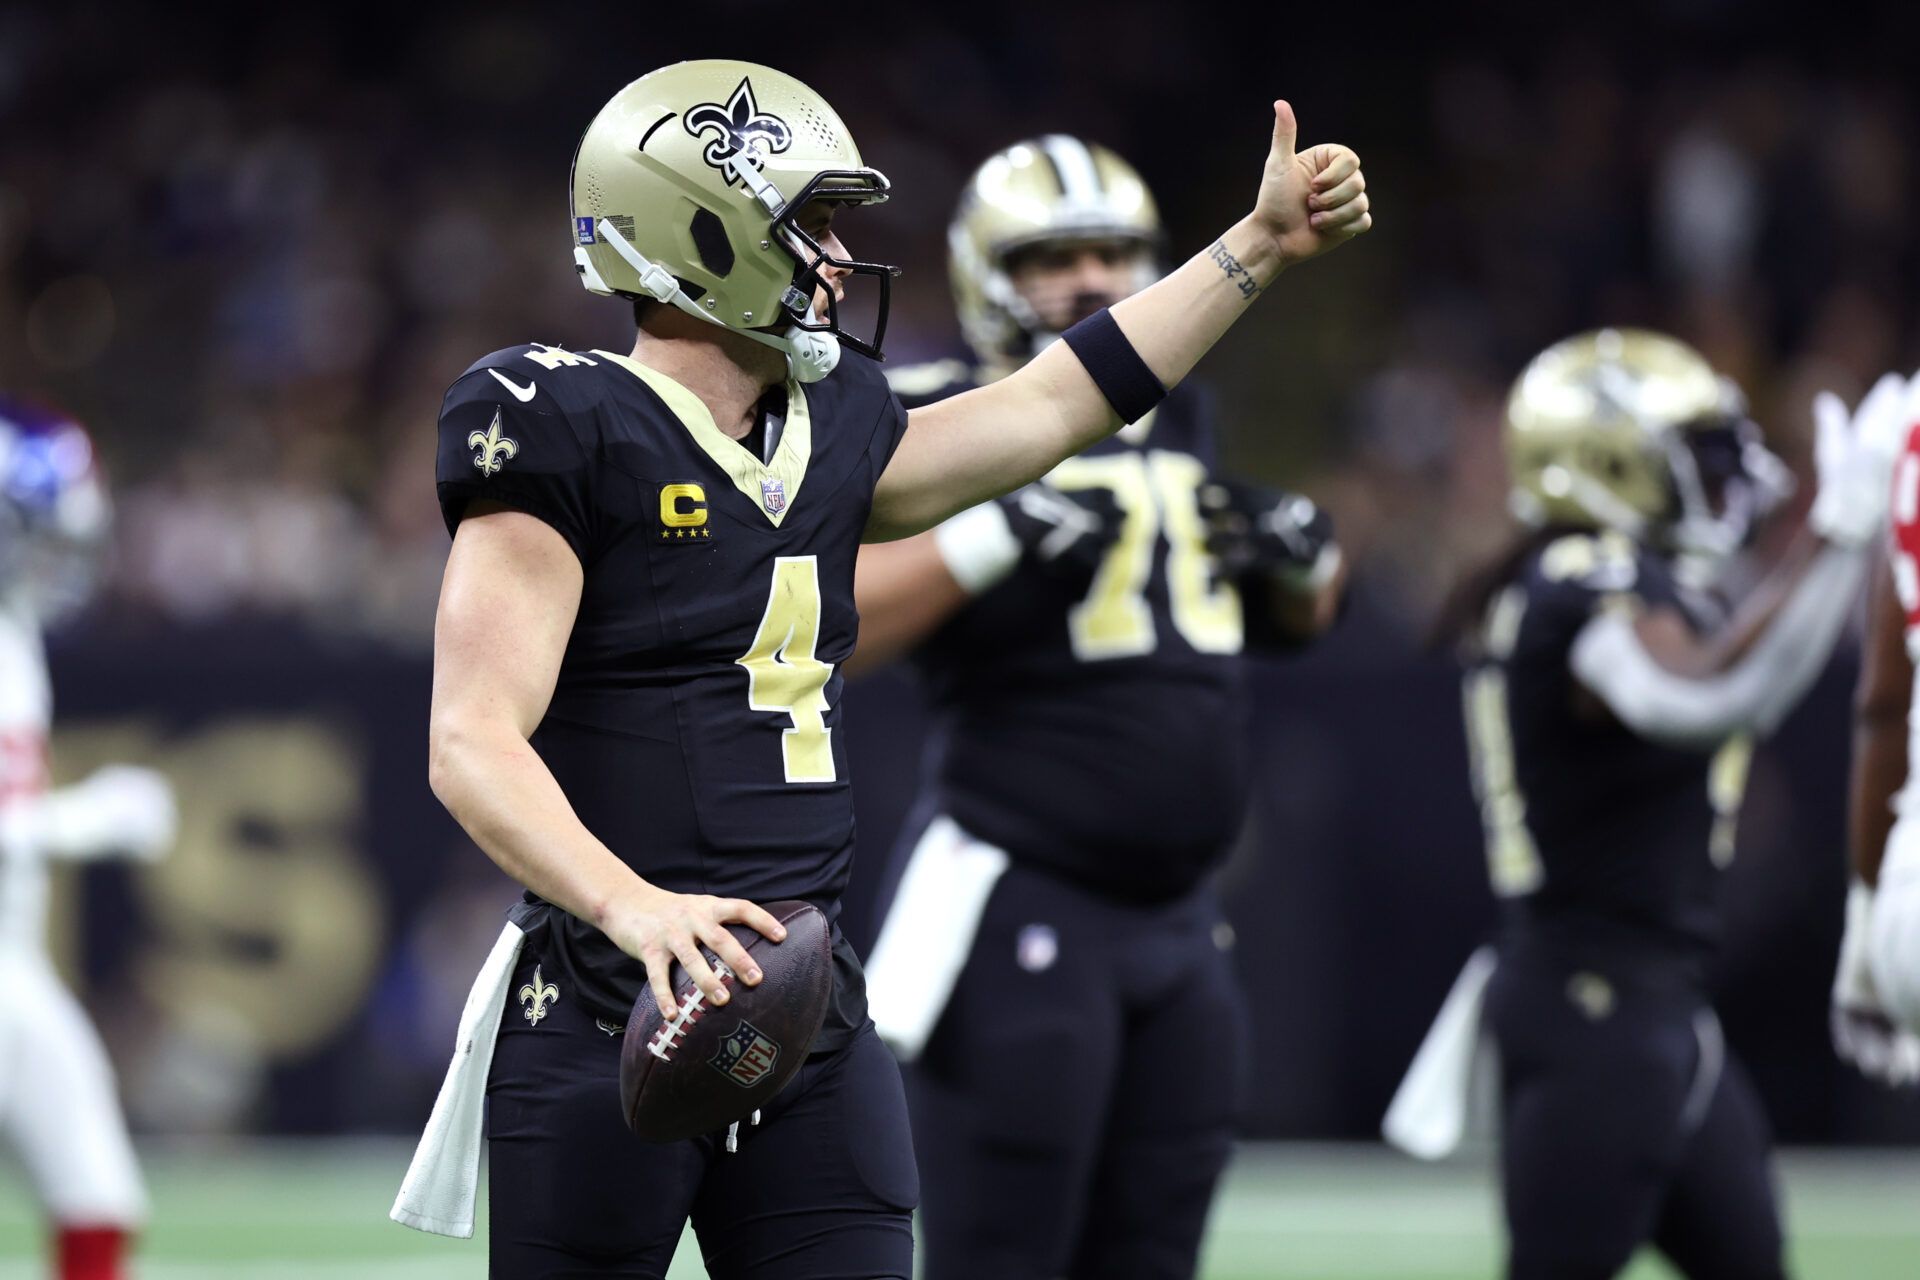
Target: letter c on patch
[(674, 514)]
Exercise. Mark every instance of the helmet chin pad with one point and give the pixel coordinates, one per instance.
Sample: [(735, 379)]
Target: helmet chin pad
[(811, 354)]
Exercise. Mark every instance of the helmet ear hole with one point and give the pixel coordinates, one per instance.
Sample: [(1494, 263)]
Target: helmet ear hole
[(710, 242)]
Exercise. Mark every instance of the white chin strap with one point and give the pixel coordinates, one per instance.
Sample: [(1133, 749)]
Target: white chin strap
[(811, 355)]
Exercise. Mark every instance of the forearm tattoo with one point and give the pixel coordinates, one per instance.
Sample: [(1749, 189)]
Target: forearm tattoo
[(1238, 275)]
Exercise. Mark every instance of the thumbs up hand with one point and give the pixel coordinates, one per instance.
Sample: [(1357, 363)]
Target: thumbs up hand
[(1312, 200)]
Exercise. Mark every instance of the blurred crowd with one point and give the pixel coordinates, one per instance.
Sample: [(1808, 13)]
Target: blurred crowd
[(251, 251)]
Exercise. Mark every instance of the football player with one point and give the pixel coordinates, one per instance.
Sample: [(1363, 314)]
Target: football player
[(58, 1107), (1053, 961), (1611, 707), (1876, 987), (636, 704)]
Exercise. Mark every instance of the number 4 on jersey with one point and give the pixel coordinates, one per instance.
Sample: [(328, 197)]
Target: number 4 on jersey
[(783, 674)]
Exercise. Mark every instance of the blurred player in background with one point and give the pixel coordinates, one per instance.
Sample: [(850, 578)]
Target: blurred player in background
[(1053, 962), (636, 684), (1612, 701), (58, 1107), (1876, 988)]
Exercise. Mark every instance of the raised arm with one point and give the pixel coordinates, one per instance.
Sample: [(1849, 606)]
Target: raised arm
[(512, 587), (961, 451), (1667, 684)]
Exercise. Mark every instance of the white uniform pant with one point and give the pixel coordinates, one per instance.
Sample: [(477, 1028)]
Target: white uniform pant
[(58, 1107)]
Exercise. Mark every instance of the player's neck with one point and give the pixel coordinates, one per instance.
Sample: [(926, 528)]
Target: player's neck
[(728, 371)]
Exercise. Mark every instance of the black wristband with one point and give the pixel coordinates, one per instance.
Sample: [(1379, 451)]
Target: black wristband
[(1115, 367)]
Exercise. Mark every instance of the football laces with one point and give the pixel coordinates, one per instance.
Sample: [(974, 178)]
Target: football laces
[(674, 1030)]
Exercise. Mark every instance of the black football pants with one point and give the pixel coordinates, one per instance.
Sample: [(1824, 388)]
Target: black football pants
[(822, 1189), (1624, 1123), (1074, 1107)]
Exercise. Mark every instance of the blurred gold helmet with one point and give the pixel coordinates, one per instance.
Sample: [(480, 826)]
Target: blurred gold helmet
[(1045, 191), (686, 189), (1632, 430)]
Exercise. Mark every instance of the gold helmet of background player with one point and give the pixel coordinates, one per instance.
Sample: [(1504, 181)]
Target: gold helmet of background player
[(1049, 190), (1632, 430), (686, 189)]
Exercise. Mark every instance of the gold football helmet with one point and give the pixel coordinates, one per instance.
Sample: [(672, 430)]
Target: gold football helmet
[(686, 189), (1048, 190), (1632, 430)]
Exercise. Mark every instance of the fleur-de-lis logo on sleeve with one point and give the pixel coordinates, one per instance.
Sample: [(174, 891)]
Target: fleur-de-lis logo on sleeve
[(739, 126), (494, 448), (535, 996)]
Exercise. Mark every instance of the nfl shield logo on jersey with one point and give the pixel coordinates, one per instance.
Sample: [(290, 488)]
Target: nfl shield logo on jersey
[(746, 1056), (773, 494)]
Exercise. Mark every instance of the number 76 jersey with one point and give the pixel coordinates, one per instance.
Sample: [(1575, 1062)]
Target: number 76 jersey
[(694, 726)]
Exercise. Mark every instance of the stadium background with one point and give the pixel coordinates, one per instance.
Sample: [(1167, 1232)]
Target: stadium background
[(249, 249)]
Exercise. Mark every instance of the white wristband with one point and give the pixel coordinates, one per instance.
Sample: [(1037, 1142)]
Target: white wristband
[(978, 546)]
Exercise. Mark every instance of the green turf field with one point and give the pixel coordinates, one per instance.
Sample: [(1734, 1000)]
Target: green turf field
[(318, 1212)]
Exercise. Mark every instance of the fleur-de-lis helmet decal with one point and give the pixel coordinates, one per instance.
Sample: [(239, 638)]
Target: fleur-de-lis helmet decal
[(739, 126)]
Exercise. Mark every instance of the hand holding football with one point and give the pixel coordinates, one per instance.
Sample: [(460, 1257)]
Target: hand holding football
[(709, 1065)]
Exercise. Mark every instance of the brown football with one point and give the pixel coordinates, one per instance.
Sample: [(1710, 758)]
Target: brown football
[(713, 1065)]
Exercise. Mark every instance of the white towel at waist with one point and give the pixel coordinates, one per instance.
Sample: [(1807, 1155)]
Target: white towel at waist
[(1431, 1110), (929, 933), (442, 1183)]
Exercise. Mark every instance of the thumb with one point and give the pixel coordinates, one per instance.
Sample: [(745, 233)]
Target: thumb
[(1285, 130)]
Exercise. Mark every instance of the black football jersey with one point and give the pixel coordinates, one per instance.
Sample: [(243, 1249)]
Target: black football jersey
[(1607, 845), (694, 725), (1099, 729)]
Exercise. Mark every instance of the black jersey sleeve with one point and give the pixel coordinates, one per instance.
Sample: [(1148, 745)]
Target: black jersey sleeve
[(525, 455), (892, 429)]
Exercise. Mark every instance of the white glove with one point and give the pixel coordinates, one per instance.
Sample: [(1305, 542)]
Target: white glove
[(1854, 459), (118, 809), (1863, 1034)]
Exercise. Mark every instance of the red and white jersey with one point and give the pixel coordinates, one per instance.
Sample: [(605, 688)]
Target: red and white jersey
[(26, 711)]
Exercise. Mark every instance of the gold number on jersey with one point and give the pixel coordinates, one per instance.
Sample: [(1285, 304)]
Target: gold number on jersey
[(1113, 621), (1513, 862), (783, 674), (1156, 493), (1206, 612), (556, 357)]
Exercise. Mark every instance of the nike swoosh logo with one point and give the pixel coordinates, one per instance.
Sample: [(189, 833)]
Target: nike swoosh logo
[(520, 393)]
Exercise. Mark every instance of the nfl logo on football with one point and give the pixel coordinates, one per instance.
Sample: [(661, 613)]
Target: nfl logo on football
[(773, 493), (746, 1056)]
